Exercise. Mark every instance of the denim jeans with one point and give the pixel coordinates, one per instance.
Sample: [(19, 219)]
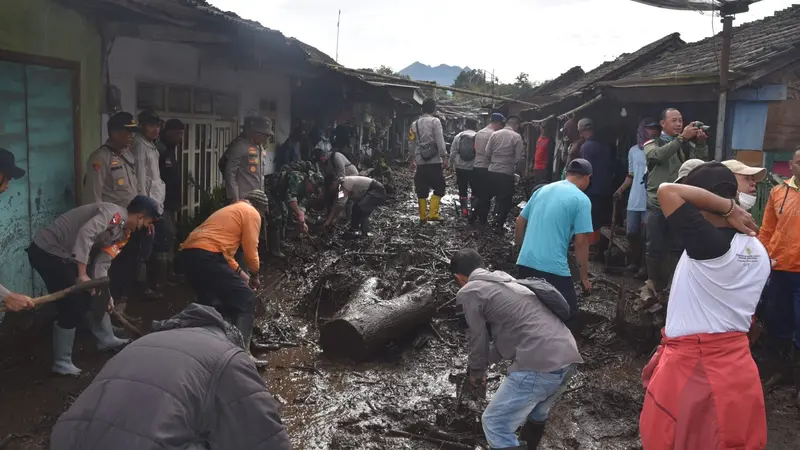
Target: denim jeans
[(522, 394), (636, 219), (783, 306)]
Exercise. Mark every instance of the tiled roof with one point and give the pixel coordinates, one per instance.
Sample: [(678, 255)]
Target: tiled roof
[(752, 45), (623, 65), (550, 86)]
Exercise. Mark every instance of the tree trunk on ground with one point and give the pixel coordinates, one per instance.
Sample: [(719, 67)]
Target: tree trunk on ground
[(367, 322)]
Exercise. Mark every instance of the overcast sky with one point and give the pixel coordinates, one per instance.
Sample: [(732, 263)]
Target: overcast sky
[(541, 37)]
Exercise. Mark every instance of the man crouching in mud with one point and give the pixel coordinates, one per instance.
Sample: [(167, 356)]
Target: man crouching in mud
[(703, 387), (506, 320), (188, 385)]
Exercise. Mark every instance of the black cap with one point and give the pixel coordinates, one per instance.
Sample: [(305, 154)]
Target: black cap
[(148, 117), (173, 124), (714, 177), (122, 121), (259, 124), (8, 165), (144, 204), (580, 166), (649, 122)]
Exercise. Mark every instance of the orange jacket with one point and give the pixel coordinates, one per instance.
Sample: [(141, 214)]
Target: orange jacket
[(780, 228), (226, 230)]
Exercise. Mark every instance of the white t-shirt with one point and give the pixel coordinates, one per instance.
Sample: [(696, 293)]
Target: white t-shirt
[(718, 295)]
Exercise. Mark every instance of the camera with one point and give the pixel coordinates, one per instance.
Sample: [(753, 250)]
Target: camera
[(701, 126)]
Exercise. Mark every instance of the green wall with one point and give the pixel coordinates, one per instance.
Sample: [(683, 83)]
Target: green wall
[(43, 28)]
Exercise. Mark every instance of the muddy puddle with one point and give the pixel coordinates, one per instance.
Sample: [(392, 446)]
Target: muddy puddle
[(410, 387)]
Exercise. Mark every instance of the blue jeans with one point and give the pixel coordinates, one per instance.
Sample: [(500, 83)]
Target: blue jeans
[(522, 394), (635, 220), (783, 306)]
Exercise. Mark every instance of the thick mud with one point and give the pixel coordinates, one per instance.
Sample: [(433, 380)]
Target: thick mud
[(409, 394)]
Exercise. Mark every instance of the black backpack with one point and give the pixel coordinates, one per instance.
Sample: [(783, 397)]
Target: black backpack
[(466, 147)]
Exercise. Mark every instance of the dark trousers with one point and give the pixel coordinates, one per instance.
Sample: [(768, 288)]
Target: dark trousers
[(166, 230), (783, 306), (481, 192), (465, 182), (564, 285), (372, 199), (602, 207), (429, 177), (123, 271), (500, 186), (660, 239), (214, 280), (58, 274)]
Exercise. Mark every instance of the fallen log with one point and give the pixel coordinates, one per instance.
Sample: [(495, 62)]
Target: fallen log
[(367, 322)]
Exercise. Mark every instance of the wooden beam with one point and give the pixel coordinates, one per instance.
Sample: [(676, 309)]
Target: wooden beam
[(582, 107)]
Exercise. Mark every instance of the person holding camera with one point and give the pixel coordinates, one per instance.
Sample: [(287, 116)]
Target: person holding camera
[(664, 155)]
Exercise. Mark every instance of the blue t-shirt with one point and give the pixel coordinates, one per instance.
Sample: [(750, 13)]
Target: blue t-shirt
[(637, 166), (555, 213)]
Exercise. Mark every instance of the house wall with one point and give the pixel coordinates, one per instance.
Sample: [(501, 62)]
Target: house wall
[(135, 60), (45, 29)]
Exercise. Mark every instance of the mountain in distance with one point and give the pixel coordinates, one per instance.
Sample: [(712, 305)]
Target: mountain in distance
[(441, 74)]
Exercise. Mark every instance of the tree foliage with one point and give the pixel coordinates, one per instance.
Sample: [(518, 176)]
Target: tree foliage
[(481, 81)]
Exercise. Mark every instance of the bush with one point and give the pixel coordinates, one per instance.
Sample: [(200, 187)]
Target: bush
[(210, 201)]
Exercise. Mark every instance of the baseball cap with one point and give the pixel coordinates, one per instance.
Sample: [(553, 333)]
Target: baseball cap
[(585, 124), (144, 204), (497, 117), (649, 122), (259, 201), (687, 167), (714, 177), (8, 165), (740, 168), (580, 165), (122, 121), (173, 124), (259, 124), (148, 117)]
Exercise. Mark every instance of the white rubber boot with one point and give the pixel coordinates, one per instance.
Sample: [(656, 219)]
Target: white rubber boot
[(104, 333), (62, 351)]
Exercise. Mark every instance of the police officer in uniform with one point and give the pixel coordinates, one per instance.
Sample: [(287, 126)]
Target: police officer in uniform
[(111, 169), (243, 160), (60, 253), (290, 189)]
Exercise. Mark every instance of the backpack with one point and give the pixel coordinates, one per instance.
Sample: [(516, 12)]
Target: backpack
[(549, 296), (427, 152), (466, 147)]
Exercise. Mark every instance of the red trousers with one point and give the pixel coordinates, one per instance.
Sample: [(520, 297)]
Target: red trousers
[(703, 393)]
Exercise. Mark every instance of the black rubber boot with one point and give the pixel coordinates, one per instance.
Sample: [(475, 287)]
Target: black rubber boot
[(365, 227), (532, 433), (244, 322), (274, 243)]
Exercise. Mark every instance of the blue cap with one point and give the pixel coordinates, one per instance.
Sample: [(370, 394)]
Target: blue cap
[(144, 204), (497, 117)]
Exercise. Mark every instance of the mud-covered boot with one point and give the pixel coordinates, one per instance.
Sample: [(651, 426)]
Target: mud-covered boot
[(274, 243), (532, 433), (62, 351), (244, 322), (104, 333)]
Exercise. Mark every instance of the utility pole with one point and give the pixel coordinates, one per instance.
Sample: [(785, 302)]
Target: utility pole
[(492, 90), (724, 65), (338, 22)]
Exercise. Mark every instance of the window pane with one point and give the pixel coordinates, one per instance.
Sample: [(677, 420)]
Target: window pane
[(179, 99), (203, 102), (150, 96)]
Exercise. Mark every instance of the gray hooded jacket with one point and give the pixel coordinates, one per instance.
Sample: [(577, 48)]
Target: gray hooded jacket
[(523, 329), (188, 386)]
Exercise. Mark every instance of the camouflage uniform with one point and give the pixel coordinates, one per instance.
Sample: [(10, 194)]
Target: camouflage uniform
[(289, 185)]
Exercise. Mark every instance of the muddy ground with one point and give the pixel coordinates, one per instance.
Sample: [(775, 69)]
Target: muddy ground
[(411, 387)]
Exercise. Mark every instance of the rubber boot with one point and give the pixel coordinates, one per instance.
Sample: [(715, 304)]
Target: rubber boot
[(423, 209), (365, 227), (274, 243), (464, 207), (244, 322), (104, 333), (282, 235), (62, 351), (532, 433), (434, 213), (656, 273)]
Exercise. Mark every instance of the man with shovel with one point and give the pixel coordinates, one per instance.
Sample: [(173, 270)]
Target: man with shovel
[(11, 301), (60, 253)]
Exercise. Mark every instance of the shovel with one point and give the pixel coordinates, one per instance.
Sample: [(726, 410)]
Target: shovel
[(55, 296)]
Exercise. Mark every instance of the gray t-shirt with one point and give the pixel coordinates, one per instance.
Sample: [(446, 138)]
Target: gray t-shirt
[(356, 187)]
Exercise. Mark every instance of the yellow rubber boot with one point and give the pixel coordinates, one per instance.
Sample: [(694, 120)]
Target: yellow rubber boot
[(423, 209), (434, 214)]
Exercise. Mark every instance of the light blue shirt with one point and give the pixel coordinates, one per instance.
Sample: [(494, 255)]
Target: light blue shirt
[(637, 166), (555, 213)]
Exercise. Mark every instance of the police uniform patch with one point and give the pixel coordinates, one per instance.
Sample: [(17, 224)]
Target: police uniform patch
[(115, 162), (253, 160), (121, 181), (252, 151), (253, 169), (116, 219), (97, 166)]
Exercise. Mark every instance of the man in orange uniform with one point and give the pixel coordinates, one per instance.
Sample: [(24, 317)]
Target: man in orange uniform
[(703, 387), (210, 265), (780, 234)]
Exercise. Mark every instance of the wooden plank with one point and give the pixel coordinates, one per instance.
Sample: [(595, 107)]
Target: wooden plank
[(619, 241), (753, 158), (782, 132)]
